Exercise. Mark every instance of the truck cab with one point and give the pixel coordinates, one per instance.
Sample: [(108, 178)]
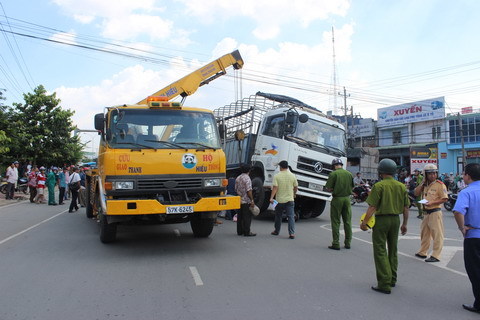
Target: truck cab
[(264, 129), (158, 163)]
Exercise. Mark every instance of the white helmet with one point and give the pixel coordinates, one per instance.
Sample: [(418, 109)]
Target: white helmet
[(430, 168)]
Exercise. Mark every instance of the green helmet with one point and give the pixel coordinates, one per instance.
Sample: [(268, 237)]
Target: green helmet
[(387, 166)]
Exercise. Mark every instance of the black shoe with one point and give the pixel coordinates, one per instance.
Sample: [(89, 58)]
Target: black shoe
[(274, 233), (70, 211), (420, 255), (76, 209), (432, 259), (333, 248), (251, 234), (291, 236), (381, 290), (347, 246), (470, 308)]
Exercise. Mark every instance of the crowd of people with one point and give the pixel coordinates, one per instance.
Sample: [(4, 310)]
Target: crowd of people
[(387, 201), (43, 182)]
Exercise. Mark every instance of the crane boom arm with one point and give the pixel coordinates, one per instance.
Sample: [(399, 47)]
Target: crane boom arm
[(190, 83)]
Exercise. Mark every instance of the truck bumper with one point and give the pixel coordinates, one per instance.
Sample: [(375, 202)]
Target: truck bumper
[(151, 206)]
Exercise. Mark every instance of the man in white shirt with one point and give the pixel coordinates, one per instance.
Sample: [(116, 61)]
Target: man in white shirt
[(12, 178)]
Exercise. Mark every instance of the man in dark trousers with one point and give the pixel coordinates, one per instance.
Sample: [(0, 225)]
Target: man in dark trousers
[(243, 187), (340, 184), (387, 200), (467, 216)]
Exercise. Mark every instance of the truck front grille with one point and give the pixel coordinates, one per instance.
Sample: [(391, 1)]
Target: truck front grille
[(307, 164), (168, 184)]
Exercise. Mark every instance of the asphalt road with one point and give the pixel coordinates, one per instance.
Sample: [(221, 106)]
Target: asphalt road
[(53, 266)]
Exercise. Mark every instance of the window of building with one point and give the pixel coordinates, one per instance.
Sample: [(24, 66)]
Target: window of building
[(470, 129), (436, 133), (397, 136)]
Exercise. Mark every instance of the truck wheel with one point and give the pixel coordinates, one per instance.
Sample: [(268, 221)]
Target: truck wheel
[(259, 195), (318, 207), (108, 232), (309, 207), (201, 228), (89, 206)]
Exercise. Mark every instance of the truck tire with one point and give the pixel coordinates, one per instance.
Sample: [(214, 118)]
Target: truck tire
[(318, 207), (260, 197), (108, 232), (201, 228), (89, 206)]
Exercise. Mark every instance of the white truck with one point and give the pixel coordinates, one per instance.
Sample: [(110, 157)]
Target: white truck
[(264, 129)]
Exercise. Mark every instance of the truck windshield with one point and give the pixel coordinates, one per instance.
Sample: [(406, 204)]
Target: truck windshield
[(162, 129), (322, 134)]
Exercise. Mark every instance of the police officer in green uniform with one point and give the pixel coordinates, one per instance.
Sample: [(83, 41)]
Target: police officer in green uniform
[(387, 200), (340, 184)]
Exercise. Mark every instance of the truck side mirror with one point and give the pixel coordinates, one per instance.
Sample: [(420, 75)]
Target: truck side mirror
[(290, 122), (222, 128), (303, 118), (100, 122)]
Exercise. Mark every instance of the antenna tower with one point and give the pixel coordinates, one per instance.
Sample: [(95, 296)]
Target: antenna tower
[(334, 83)]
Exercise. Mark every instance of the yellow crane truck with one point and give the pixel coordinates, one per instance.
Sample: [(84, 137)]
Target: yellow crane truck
[(161, 162)]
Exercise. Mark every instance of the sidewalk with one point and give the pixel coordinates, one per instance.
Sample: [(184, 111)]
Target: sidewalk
[(18, 197)]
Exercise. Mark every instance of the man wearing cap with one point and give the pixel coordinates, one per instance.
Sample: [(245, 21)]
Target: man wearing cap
[(243, 188), (387, 200), (12, 178), (435, 193), (51, 181), (285, 187), (340, 184)]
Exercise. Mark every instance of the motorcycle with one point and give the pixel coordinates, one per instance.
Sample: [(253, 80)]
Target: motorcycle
[(412, 198), (22, 186), (450, 203), (360, 194)]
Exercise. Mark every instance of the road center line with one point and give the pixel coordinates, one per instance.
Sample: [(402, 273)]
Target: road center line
[(30, 228), (196, 276)]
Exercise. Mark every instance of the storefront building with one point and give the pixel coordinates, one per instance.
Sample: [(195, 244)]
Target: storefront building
[(453, 153)]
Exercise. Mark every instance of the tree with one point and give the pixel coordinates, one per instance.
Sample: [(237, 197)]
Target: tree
[(4, 140), (40, 130)]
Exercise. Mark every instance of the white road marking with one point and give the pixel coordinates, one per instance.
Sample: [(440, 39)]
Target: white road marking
[(448, 252), (196, 276), (30, 228), (177, 232), (13, 204)]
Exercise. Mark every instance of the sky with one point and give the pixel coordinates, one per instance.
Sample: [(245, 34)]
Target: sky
[(99, 53)]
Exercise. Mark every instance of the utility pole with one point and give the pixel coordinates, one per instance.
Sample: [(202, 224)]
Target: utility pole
[(464, 154), (345, 109)]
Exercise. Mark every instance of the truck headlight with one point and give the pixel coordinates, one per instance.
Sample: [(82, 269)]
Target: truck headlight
[(315, 186), (123, 185), (212, 182)]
